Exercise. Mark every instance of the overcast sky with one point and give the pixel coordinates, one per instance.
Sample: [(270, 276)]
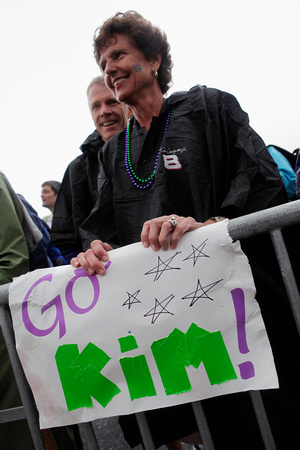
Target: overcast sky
[(247, 48)]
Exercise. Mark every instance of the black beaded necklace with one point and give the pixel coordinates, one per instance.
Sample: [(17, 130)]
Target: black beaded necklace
[(141, 183)]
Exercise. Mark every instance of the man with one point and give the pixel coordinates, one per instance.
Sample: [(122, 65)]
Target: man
[(49, 195), (78, 192)]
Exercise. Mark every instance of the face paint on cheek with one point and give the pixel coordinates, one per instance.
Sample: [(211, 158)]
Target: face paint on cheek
[(137, 67)]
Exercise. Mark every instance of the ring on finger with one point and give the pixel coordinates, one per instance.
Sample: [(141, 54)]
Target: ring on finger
[(173, 222)]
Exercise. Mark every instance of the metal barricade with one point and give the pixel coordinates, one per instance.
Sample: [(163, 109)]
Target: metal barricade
[(270, 221), (28, 410)]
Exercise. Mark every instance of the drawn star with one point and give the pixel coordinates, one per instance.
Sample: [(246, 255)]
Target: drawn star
[(159, 308), (197, 253), (200, 292), (132, 299), (162, 266)]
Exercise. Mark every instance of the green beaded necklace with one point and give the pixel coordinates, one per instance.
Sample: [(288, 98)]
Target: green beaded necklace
[(141, 183)]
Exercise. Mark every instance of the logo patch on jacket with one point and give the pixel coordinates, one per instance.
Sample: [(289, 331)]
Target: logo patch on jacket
[(171, 162)]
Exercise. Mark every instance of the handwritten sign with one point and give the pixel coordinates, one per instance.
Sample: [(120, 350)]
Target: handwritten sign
[(159, 329)]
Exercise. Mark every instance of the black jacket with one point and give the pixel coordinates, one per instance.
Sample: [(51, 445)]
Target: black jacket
[(225, 168), (211, 162), (76, 198)]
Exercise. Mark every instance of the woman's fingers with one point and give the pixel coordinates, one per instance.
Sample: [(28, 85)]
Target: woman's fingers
[(166, 230), (94, 259)]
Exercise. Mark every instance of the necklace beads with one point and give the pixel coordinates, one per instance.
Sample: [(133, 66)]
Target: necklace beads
[(138, 182)]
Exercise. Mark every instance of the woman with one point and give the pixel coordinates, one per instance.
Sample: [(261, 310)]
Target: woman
[(181, 160)]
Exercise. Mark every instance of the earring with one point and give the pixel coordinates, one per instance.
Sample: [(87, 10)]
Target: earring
[(155, 73)]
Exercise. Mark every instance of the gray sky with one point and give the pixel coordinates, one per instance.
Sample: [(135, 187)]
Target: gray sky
[(247, 48)]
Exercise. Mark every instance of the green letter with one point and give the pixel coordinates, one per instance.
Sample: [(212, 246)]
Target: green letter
[(179, 350), (81, 378), (136, 371)]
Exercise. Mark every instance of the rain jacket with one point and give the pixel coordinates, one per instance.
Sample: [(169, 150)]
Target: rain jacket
[(211, 162), (14, 254), (76, 198)]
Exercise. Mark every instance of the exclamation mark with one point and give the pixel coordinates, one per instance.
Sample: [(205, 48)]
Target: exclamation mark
[(246, 368)]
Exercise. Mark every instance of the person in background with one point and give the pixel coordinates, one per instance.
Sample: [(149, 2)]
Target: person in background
[(45, 254), (14, 254), (19, 238), (78, 191), (49, 195), (286, 163), (14, 261), (184, 162), (298, 176)]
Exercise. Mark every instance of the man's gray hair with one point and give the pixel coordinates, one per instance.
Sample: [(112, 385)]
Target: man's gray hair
[(97, 80)]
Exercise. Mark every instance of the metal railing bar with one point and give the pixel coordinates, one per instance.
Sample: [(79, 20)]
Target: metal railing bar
[(12, 414), (262, 420), (203, 426), (259, 222), (88, 434), (271, 221), (145, 431), (287, 274), (24, 389), (4, 289)]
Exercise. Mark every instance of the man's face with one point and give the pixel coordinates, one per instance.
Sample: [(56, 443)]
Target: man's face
[(48, 196), (109, 115)]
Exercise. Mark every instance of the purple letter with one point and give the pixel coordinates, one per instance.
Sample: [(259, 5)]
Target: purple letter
[(69, 292), (59, 319)]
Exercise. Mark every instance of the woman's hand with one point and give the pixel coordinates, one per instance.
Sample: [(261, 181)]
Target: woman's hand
[(156, 232), (94, 259)]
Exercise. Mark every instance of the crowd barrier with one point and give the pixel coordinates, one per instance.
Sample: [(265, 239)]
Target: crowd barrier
[(270, 221)]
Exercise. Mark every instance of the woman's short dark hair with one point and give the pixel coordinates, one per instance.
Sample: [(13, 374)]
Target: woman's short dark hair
[(147, 38)]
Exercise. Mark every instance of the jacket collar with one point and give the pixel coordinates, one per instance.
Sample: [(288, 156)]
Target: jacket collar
[(92, 143)]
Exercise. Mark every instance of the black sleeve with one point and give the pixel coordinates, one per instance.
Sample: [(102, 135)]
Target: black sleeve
[(254, 180)]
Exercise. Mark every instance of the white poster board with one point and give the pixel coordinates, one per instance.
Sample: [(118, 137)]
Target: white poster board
[(159, 329)]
